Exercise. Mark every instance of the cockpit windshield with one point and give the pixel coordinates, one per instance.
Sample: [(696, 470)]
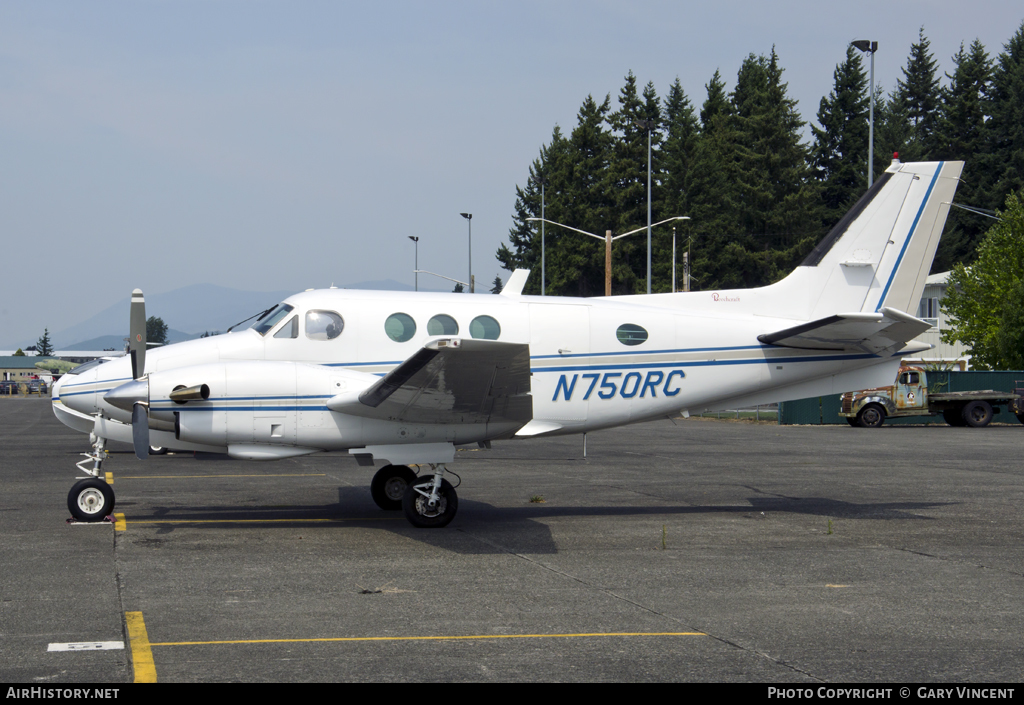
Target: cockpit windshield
[(272, 318), (87, 366)]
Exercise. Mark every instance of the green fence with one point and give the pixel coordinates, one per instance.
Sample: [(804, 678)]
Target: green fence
[(825, 410)]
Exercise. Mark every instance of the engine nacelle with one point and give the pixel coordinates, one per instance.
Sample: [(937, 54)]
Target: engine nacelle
[(254, 404)]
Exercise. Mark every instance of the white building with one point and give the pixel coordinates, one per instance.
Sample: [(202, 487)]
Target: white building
[(954, 355)]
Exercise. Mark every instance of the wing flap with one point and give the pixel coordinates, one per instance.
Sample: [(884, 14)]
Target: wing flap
[(876, 333), (450, 381)]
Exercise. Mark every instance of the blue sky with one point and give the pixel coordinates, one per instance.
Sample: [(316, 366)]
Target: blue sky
[(289, 145)]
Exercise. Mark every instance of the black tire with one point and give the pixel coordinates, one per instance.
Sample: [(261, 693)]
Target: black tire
[(157, 450), (871, 416), (91, 499), (954, 417), (1020, 417), (978, 414), (388, 486), (420, 515)]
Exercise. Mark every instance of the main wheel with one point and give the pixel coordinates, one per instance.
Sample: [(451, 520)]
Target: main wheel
[(978, 414), (388, 486), (420, 514), (157, 450), (91, 500), (871, 416)]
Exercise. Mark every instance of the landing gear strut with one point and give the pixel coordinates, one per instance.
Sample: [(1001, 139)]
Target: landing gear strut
[(430, 501), (92, 499)]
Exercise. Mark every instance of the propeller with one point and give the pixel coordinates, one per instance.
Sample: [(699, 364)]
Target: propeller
[(134, 396), (137, 332)]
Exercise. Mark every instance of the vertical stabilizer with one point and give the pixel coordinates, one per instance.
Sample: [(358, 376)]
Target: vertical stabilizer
[(879, 254)]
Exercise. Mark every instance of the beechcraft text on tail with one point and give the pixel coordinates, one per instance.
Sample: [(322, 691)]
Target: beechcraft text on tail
[(403, 379)]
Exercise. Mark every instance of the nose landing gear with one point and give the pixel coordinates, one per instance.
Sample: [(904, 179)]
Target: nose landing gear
[(92, 499)]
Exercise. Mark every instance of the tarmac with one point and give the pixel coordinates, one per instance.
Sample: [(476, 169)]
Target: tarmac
[(687, 550)]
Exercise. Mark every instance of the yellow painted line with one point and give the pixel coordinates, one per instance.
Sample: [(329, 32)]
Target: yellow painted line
[(426, 638), (109, 478), (830, 585), (192, 477), (119, 522), (142, 655), (254, 521)]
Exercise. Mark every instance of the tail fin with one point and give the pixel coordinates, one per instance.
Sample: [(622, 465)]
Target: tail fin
[(878, 256)]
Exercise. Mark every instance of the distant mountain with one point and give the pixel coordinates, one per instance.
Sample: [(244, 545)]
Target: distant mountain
[(197, 308), (117, 342)]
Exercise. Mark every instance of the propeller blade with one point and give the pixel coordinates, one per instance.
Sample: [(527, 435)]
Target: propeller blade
[(140, 431), (137, 334)]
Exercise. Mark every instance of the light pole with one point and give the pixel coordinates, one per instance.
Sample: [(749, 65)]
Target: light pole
[(608, 239), (870, 47), (416, 269), (543, 273), (648, 125), (469, 218)]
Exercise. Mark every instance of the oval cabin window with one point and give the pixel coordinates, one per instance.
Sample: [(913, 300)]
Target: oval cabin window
[(442, 324), (400, 327), (485, 328), (631, 334)]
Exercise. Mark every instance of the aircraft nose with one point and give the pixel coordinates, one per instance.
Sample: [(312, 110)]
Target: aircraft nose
[(128, 395)]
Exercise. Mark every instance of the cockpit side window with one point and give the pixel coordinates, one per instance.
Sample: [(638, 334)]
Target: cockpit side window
[(289, 329), (275, 317), (323, 325)]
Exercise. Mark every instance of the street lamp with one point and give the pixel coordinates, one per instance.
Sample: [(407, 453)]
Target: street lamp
[(870, 47), (608, 239), (469, 218), (416, 269), (648, 125)]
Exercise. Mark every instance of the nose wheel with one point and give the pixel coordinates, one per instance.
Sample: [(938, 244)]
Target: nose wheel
[(91, 500)]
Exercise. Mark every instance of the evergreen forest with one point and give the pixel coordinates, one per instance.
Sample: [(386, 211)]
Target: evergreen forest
[(758, 196)]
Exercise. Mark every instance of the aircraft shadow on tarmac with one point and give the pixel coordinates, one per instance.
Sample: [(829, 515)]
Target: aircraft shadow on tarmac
[(485, 529)]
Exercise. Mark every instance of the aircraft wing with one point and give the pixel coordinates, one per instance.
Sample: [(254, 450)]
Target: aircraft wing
[(876, 333), (450, 381)]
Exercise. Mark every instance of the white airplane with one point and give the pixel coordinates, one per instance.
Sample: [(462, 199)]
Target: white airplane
[(406, 378)]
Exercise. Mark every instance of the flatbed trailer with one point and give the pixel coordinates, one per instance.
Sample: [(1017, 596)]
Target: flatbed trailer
[(869, 408)]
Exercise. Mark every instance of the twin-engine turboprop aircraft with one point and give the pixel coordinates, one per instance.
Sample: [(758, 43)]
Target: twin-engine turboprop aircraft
[(406, 378)]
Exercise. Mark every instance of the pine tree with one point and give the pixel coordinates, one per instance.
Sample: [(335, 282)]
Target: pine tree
[(717, 103), (841, 144), (156, 330), (43, 346), (627, 175), (1007, 123), (575, 261), (920, 90), (777, 196), (548, 169), (893, 133), (681, 132), (496, 285), (961, 134)]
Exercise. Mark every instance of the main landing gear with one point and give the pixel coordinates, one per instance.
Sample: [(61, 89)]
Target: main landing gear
[(92, 499), (429, 501)]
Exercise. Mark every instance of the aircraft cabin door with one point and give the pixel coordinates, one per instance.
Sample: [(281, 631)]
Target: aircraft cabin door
[(560, 342)]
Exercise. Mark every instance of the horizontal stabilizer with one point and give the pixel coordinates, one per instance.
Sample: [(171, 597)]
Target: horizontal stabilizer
[(877, 333), (450, 381)]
